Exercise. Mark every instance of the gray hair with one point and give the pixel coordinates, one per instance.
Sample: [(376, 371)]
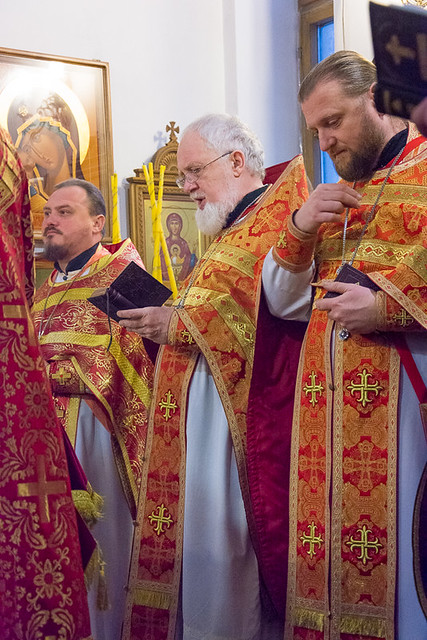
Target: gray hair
[(94, 196), (354, 72), (223, 133)]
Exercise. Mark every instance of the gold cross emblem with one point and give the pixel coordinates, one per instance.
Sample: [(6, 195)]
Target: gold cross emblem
[(281, 243), (313, 388), (160, 519), (397, 51), (314, 463), (187, 337), (312, 539), (364, 544), (365, 465), (43, 488), (61, 376), (364, 388), (173, 130), (168, 404), (403, 318)]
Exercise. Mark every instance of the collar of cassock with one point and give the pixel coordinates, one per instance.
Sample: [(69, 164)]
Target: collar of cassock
[(78, 262), (392, 148), (244, 204)]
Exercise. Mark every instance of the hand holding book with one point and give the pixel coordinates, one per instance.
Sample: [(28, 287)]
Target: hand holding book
[(134, 288)]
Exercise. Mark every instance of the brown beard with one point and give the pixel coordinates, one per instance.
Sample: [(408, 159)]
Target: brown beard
[(54, 253), (362, 162)]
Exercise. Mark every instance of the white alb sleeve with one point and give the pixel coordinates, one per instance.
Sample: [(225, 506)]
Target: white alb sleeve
[(288, 295)]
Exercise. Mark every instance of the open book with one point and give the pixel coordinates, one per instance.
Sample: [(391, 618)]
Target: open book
[(399, 37), (134, 288)]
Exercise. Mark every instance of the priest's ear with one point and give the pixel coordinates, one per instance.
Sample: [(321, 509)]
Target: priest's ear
[(372, 92), (98, 224), (237, 159)]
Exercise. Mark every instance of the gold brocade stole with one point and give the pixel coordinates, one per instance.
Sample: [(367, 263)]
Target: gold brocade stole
[(342, 557), (156, 563), (220, 316)]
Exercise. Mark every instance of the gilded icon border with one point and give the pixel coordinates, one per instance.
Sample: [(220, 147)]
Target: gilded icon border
[(58, 113)]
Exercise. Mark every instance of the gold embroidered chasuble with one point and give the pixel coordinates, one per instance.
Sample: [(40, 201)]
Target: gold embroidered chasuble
[(92, 361), (42, 590), (343, 538), (216, 316)]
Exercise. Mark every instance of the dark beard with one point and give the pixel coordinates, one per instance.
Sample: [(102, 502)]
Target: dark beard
[(362, 163), (360, 167), (53, 253)]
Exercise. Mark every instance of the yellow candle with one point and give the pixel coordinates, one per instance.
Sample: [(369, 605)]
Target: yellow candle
[(158, 234), (115, 226)]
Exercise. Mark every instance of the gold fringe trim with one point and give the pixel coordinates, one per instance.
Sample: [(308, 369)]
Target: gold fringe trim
[(89, 504), (374, 627), (309, 619), (95, 571), (154, 599), (92, 568), (102, 602)]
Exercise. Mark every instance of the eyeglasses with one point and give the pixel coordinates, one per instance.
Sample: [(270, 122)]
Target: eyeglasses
[(192, 176)]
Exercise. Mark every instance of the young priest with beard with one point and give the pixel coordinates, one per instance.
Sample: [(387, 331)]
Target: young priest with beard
[(101, 377), (358, 442)]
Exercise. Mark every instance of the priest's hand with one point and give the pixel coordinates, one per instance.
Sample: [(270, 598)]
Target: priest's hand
[(150, 322), (354, 309), (327, 203)]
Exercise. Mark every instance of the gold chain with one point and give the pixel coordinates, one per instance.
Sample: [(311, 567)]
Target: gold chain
[(369, 217), (43, 327)]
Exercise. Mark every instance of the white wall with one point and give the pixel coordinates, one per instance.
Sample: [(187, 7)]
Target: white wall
[(353, 27), (175, 60), (267, 81)]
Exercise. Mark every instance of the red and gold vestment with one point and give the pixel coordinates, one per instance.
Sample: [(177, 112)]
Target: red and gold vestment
[(216, 316), (343, 526), (42, 590), (100, 363)]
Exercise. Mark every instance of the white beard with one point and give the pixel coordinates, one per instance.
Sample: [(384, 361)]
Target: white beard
[(213, 217)]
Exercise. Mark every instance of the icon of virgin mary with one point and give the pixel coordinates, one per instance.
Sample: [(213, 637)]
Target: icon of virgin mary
[(182, 259), (47, 143)]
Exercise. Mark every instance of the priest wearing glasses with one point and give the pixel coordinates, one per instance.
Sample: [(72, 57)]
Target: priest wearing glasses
[(212, 519)]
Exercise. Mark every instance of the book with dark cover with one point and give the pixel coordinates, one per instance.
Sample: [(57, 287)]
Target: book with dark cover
[(354, 276), (134, 288), (399, 37)]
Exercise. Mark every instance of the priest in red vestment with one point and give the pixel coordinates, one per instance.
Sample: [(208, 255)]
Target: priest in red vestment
[(358, 445), (100, 375), (210, 547), (42, 589)]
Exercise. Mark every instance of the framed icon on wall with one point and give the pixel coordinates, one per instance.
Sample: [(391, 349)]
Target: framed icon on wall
[(57, 112)]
